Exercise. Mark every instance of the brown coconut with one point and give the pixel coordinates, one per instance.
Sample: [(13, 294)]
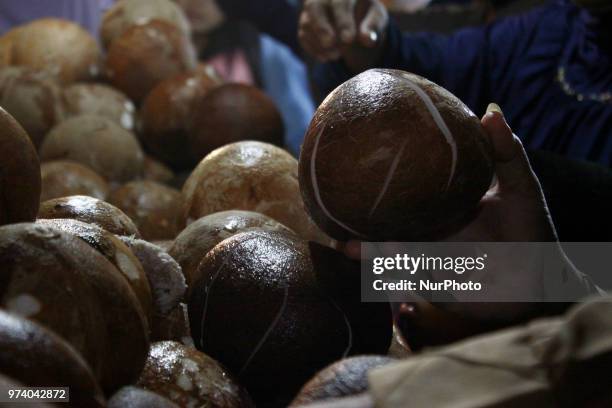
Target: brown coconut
[(100, 100), (19, 173), (391, 156), (232, 113), (97, 142), (168, 287), (154, 170), (154, 208), (33, 99), (251, 176), (89, 210), (115, 251), (135, 397), (342, 379), (37, 357), (56, 279), (146, 54), (275, 310), (168, 112), (65, 178), (127, 13), (190, 378), (194, 242), (60, 47)]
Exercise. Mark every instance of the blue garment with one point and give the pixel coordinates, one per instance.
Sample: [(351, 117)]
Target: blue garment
[(285, 80), (516, 62)]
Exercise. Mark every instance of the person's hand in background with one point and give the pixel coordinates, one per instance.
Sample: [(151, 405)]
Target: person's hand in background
[(349, 29)]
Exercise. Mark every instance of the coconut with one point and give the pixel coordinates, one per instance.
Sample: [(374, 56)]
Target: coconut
[(154, 170), (409, 158), (168, 287), (56, 279), (19, 173), (232, 113), (33, 99), (167, 114), (275, 310), (100, 100), (60, 47), (146, 54), (65, 178), (37, 357), (194, 242), (127, 13), (89, 210), (190, 378), (342, 379), (154, 208), (135, 397), (251, 176), (97, 142), (115, 251)]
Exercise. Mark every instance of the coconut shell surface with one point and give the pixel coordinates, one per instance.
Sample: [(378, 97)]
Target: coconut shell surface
[(194, 242), (232, 113), (65, 178), (100, 100), (154, 208), (115, 251), (135, 397), (167, 286), (33, 99), (56, 279), (37, 357), (342, 379), (157, 171), (145, 55), (97, 142), (252, 176), (411, 159), (167, 116), (189, 377), (19, 173), (60, 47), (266, 308), (127, 13), (89, 210)]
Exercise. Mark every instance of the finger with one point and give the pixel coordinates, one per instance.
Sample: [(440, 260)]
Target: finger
[(319, 23), (352, 249), (512, 166), (312, 46), (373, 25), (343, 12)]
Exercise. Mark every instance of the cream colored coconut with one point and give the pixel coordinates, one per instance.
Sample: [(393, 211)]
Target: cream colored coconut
[(251, 176), (124, 14)]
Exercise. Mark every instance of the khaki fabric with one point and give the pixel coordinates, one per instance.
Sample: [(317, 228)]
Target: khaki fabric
[(548, 363)]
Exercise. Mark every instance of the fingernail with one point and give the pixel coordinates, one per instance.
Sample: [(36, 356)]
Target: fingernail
[(373, 36), (493, 107)]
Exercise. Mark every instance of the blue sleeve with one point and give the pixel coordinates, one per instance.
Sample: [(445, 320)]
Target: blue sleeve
[(277, 18), (475, 63)]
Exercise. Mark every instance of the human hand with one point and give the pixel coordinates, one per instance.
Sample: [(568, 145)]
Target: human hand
[(331, 29)]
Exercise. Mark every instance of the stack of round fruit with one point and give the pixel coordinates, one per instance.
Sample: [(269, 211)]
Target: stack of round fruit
[(212, 286)]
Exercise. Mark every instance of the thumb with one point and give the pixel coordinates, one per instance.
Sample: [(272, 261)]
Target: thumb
[(512, 166), (373, 24)]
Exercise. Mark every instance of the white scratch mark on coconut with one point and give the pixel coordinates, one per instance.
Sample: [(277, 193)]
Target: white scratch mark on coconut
[(437, 117), (315, 187), (348, 326), (24, 305), (268, 331), (389, 177), (208, 290)]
